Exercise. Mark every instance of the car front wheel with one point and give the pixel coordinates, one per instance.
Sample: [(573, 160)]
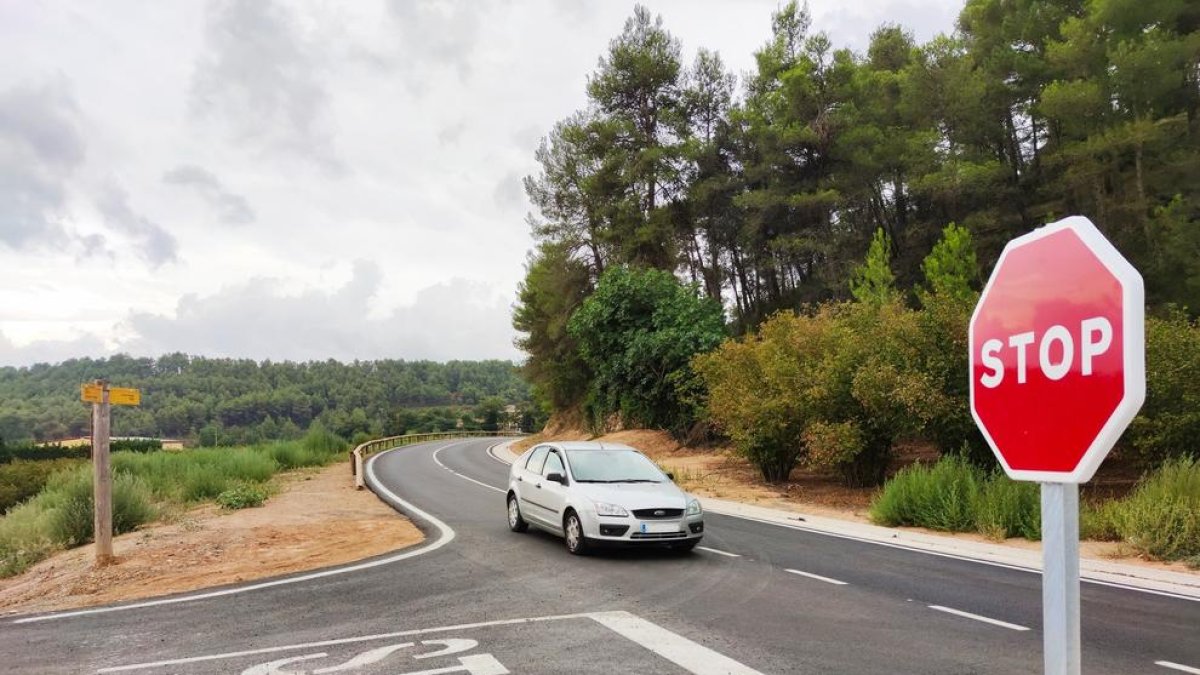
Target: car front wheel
[(573, 533), (515, 522)]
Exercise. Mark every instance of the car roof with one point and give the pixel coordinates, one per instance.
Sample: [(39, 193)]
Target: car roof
[(590, 445)]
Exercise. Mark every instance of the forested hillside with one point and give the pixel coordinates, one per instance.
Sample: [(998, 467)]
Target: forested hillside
[(234, 401), (765, 192)]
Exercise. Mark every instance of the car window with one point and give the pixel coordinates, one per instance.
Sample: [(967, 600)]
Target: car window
[(536, 458), (613, 466), (554, 464)]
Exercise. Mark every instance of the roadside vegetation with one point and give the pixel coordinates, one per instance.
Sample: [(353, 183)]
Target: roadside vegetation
[(1159, 519), (147, 486), (843, 207)]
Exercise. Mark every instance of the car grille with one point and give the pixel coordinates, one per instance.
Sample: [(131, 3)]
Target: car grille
[(658, 535), (657, 514)]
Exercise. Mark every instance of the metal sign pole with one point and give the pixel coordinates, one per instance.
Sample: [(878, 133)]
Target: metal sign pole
[(102, 481), (1060, 578)]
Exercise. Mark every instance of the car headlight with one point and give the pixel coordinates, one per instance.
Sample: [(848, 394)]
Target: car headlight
[(603, 509), (693, 508)]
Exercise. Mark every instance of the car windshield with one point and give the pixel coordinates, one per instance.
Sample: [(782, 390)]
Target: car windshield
[(613, 466)]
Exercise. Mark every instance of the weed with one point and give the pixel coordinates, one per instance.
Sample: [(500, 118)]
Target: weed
[(242, 496)]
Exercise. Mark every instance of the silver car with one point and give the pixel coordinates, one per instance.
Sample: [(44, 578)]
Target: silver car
[(596, 494)]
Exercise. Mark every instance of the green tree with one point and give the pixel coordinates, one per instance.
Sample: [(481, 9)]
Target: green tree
[(638, 333)]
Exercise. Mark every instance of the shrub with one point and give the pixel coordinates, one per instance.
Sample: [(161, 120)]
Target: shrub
[(23, 479), (1169, 422), (202, 481), (637, 333), (1162, 516), (834, 388), (1008, 508), (943, 496), (242, 496), (69, 498), (323, 441)]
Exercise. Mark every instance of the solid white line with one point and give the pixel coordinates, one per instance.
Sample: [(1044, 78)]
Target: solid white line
[(445, 536), (1178, 666), (952, 556), (976, 617), (690, 656), (719, 552), (343, 641), (491, 452), (480, 483), (818, 577)]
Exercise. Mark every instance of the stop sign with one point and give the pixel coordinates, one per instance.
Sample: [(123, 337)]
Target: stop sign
[(1057, 359)]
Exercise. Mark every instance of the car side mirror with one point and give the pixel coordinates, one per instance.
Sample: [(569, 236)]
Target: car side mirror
[(557, 478), (670, 475)]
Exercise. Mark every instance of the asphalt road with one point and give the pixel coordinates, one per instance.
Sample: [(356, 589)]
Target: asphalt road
[(476, 598)]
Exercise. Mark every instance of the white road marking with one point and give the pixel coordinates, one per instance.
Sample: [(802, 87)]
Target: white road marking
[(491, 452), (690, 656), (445, 536), (276, 667), (480, 483), (940, 554), (818, 577), (365, 659), (953, 556), (719, 552), (451, 646), (1178, 666), (343, 641), (976, 617)]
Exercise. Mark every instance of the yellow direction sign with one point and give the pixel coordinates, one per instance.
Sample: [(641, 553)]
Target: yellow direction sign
[(124, 396), (94, 393)]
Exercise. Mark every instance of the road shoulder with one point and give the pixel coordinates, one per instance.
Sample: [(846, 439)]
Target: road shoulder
[(317, 520)]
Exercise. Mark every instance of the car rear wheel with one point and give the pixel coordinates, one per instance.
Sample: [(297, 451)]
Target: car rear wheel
[(515, 522), (577, 544)]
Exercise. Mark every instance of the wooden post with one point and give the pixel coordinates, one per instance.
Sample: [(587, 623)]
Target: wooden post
[(102, 472)]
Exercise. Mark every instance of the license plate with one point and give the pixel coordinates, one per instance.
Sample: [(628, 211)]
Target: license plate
[(659, 528)]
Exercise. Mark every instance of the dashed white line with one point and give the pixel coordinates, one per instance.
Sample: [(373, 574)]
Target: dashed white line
[(719, 552), (479, 483), (1178, 666), (818, 577), (976, 617)]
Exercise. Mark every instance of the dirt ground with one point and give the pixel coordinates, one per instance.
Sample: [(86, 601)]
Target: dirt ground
[(317, 519), (719, 473)]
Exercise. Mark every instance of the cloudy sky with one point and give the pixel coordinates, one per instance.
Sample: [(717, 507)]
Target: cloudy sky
[(302, 180)]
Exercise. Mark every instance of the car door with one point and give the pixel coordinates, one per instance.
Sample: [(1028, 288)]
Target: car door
[(529, 477), (553, 495)]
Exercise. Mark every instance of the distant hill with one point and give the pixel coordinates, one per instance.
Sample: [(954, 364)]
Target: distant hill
[(241, 400)]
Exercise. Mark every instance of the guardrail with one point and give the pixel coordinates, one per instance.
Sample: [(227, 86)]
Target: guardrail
[(359, 454)]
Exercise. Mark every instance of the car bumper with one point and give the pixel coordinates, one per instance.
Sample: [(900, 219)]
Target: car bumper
[(635, 532)]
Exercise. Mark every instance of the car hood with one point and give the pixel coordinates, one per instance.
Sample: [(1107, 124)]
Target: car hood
[(635, 495)]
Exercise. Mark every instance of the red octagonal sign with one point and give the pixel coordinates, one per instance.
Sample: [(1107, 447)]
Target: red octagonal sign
[(1058, 352)]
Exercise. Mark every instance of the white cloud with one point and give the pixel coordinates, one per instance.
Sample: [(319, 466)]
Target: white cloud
[(263, 318), (239, 154)]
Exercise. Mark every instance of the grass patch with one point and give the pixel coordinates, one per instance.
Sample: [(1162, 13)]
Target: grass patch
[(1008, 508), (1161, 518), (242, 496), (942, 496), (145, 485)]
